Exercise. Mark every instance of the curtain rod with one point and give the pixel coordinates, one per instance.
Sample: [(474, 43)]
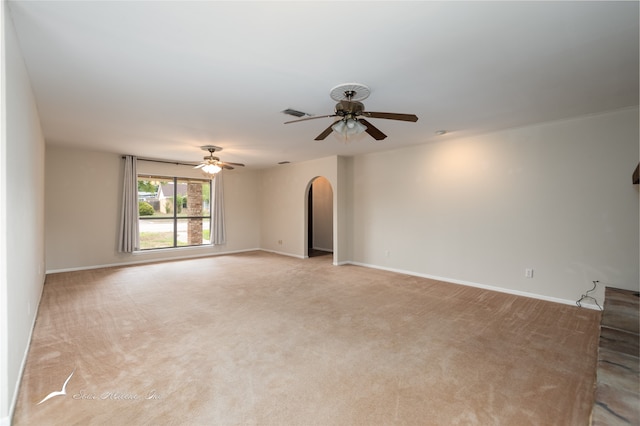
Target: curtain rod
[(177, 163)]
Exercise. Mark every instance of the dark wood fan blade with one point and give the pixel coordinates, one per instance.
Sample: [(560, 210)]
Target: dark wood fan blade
[(373, 130), (310, 118), (324, 134), (234, 164), (226, 166), (391, 116)]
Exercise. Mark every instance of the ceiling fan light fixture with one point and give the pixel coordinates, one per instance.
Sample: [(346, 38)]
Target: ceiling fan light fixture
[(210, 170), (339, 127), (212, 164), (348, 127), (351, 113), (358, 127)]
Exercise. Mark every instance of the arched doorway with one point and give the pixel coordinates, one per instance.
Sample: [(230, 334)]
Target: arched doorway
[(319, 218)]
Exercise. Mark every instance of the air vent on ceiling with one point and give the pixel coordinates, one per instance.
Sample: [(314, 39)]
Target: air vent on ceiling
[(294, 112)]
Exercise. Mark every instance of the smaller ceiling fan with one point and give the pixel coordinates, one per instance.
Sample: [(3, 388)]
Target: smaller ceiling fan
[(351, 113), (212, 164)]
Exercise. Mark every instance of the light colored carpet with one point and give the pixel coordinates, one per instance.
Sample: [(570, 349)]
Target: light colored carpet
[(263, 339)]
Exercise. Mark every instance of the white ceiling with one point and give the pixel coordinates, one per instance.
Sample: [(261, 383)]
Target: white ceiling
[(160, 79)]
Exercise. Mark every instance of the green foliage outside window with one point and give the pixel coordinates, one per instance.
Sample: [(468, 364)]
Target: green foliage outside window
[(206, 194), (182, 202), (147, 186), (145, 209)]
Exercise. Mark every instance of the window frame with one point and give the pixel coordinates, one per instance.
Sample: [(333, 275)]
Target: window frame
[(175, 218)]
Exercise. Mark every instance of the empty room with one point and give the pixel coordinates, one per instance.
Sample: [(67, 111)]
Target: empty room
[(319, 213)]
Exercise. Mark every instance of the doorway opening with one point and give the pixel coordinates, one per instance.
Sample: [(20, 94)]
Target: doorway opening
[(320, 218)]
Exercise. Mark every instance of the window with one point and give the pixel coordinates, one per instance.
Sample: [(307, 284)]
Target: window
[(173, 212)]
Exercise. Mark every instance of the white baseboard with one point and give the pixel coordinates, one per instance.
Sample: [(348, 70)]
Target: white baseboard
[(477, 285), (140, 262), (283, 253), (347, 262)]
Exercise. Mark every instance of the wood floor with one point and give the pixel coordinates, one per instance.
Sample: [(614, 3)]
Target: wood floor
[(262, 339), (617, 397)]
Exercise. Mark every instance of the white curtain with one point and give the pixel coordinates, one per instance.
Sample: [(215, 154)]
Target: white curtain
[(129, 236), (218, 232)]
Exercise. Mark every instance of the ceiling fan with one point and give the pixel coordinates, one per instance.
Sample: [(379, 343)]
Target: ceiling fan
[(212, 164), (352, 112)]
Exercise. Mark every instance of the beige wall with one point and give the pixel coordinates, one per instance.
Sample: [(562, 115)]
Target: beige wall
[(261, 208), (322, 203), (83, 204), (283, 193), (21, 217), (556, 197)]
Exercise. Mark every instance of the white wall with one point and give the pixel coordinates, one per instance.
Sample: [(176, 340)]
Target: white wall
[(83, 210), (555, 197), (22, 215)]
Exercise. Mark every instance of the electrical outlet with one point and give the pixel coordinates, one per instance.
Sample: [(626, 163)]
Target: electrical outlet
[(528, 273), (280, 242)]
